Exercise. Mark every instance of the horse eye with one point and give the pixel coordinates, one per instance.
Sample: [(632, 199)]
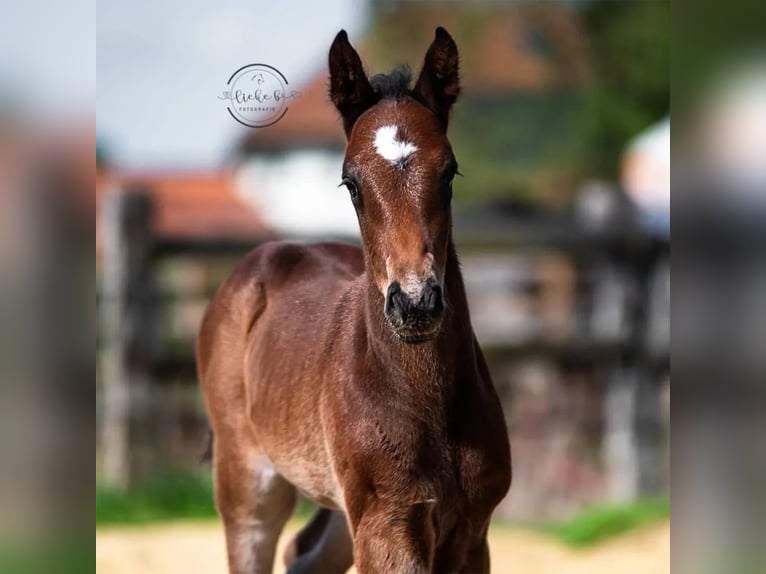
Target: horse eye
[(447, 187), (351, 187)]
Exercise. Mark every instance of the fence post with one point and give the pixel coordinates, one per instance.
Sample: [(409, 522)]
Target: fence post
[(632, 407), (620, 437), (127, 298)]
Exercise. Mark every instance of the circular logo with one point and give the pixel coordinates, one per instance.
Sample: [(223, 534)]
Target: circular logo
[(257, 95)]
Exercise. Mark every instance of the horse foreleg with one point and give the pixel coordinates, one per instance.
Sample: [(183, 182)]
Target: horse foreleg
[(255, 502), (393, 538)]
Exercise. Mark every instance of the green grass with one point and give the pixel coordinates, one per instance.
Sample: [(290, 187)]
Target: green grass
[(170, 497), (190, 497), (602, 522)]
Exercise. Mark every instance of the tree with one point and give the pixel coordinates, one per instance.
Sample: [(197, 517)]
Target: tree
[(629, 90)]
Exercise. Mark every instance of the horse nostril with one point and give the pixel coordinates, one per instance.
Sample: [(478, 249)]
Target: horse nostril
[(396, 300), (432, 299), (399, 306)]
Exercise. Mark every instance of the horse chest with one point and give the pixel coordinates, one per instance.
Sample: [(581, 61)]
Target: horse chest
[(413, 461)]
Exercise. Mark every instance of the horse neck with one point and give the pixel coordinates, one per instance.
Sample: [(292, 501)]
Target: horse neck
[(433, 362)]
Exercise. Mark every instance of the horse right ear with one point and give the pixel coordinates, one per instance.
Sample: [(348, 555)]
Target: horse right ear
[(350, 90), (439, 83)]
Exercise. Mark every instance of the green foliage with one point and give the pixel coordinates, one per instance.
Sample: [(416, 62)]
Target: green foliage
[(541, 141), (507, 146), (629, 52), (601, 522)]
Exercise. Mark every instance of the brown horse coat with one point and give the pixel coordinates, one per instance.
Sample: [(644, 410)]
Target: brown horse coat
[(353, 375)]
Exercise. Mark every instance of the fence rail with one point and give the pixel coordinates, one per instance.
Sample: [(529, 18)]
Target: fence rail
[(618, 266)]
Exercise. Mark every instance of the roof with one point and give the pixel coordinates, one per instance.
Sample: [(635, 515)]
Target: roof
[(188, 205)]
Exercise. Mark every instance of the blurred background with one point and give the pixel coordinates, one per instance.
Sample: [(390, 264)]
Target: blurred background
[(562, 223)]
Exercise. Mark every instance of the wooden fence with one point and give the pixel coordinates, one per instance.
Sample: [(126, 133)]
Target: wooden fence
[(600, 309)]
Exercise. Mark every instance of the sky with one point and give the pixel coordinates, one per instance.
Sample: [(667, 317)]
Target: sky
[(162, 65), (47, 57)]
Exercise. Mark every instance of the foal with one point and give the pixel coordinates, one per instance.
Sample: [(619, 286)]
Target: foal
[(353, 375)]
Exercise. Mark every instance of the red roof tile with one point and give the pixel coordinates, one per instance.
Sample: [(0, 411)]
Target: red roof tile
[(189, 205)]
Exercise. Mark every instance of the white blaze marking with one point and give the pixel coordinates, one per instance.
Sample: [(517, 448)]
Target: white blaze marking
[(390, 148)]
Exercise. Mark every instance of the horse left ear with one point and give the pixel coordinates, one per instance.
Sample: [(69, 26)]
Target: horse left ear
[(439, 83)]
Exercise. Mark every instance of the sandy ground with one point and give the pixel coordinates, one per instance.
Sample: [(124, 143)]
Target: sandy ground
[(199, 547)]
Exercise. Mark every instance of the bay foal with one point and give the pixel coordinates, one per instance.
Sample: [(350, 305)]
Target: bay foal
[(353, 375)]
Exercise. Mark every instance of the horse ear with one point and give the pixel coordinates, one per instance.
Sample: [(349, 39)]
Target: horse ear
[(439, 83), (350, 90)]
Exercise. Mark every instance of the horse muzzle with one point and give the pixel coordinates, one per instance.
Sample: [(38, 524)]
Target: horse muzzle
[(414, 317)]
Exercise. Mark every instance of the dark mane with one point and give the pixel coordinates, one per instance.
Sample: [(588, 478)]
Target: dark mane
[(392, 86)]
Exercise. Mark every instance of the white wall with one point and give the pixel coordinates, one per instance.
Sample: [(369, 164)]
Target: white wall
[(298, 192)]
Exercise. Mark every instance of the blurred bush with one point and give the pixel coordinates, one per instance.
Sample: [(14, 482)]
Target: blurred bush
[(601, 522), (552, 93)]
